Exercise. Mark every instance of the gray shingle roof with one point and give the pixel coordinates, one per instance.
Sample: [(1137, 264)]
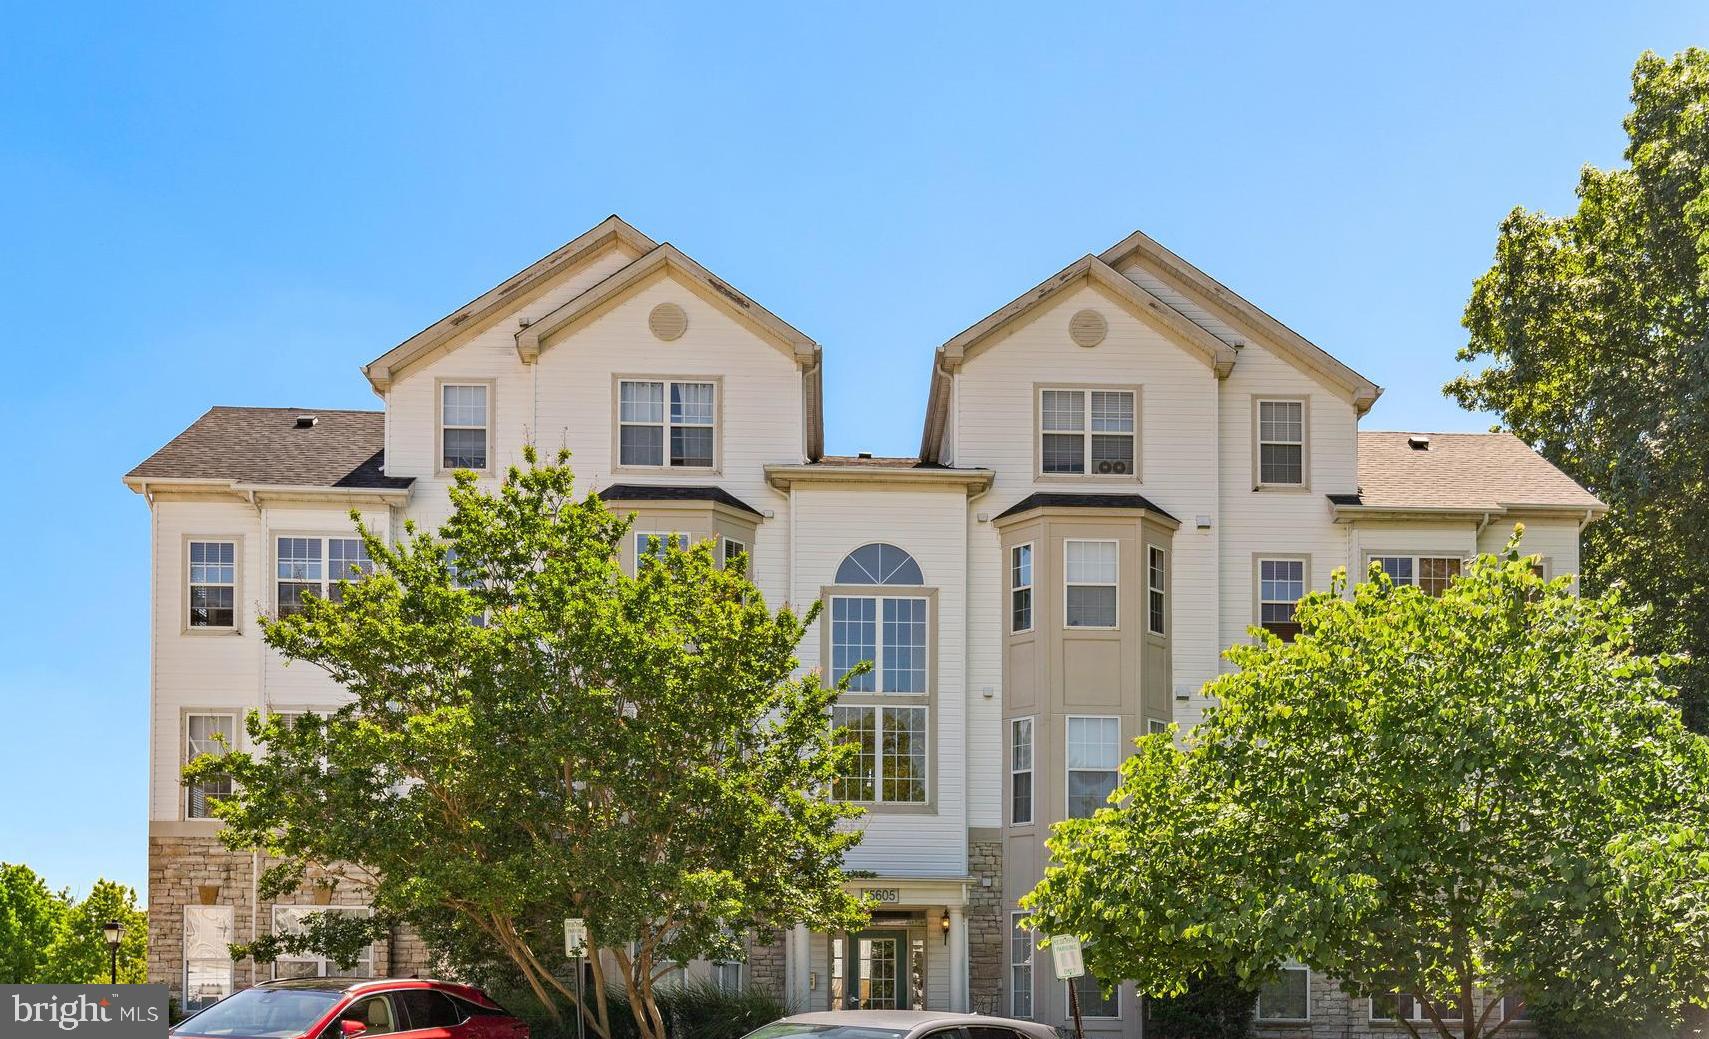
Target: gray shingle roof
[(343, 449), (1047, 499), (1461, 471), (673, 492)]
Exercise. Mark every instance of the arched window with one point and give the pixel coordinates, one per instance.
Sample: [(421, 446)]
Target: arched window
[(879, 563)]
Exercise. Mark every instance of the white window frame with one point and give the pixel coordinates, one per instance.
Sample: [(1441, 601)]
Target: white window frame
[(1086, 432), (1015, 589), (1153, 726), (1116, 584), (1258, 1004), (878, 650), (324, 967), (665, 425), (185, 756), (1068, 768), (1258, 581), (1157, 589), (1304, 482), (716, 975), (486, 387), (1417, 559), (728, 547), (879, 717), (1093, 1017), (190, 586), (666, 539), (1418, 1014), (327, 581), (1021, 963), (1030, 771)]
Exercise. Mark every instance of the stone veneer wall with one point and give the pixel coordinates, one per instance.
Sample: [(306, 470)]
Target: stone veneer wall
[(987, 925), (766, 970), (199, 870)]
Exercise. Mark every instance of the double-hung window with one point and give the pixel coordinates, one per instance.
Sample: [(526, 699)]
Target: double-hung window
[(1087, 432), (1089, 571), (666, 423), (1287, 997), (1404, 1007), (213, 584), (1020, 968), (1281, 585), (1094, 756), (207, 734), (1157, 591), (317, 566), (1433, 574), (885, 711), (290, 920), (1093, 1002), (1281, 443), (657, 545), (464, 425), (1020, 771), (1021, 588)]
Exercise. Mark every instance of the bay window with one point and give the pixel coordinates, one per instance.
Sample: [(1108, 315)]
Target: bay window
[(1094, 756), (1090, 592)]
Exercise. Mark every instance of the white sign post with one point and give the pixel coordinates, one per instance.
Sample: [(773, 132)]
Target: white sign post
[(1066, 957), (575, 947)]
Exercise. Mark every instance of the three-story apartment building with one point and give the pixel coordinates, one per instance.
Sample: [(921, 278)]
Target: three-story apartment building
[(1120, 472)]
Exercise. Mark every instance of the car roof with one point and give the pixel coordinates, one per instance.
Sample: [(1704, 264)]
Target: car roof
[(909, 1020), (357, 984)]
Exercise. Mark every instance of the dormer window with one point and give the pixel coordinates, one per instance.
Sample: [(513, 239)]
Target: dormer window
[(1088, 432)]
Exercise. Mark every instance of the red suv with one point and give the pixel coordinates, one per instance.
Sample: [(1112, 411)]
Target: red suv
[(349, 1008)]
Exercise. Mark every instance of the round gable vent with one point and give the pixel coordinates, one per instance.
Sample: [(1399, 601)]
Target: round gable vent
[(668, 321), (1087, 327)]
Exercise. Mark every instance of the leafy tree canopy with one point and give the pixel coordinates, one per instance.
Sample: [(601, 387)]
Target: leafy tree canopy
[(1595, 327), (1487, 791), (535, 734), (50, 938)]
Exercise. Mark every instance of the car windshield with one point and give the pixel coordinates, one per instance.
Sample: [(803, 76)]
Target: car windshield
[(262, 1013), (787, 1029)]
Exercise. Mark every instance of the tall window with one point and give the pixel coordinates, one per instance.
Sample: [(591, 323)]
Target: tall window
[(1086, 432), (666, 423), (203, 734), (1287, 997), (1094, 755), (1433, 574), (1090, 575), (727, 976), (1281, 442), (1021, 588), (317, 566), (463, 426), (1156, 584), (1020, 771), (889, 630), (290, 920), (1020, 968), (213, 584), (657, 545), (1281, 585), (890, 766)]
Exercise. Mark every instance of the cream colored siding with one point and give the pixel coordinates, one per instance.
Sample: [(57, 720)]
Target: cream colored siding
[(1555, 539), (1178, 456), (831, 523), (1457, 538)]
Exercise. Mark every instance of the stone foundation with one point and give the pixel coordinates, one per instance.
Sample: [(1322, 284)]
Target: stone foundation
[(1336, 1015), (766, 970)]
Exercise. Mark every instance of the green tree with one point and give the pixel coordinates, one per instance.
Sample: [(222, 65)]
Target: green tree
[(1487, 791), (535, 734), (1595, 327), (79, 955), (32, 920)]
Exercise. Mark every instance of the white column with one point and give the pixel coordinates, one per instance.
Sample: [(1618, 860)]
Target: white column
[(799, 954), (957, 960)]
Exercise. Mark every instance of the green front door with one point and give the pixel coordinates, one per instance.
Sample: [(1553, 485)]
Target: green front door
[(878, 971)]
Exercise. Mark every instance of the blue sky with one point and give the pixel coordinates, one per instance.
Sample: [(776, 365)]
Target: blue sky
[(241, 203)]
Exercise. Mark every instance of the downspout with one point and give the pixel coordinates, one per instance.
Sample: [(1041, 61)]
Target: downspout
[(261, 704)]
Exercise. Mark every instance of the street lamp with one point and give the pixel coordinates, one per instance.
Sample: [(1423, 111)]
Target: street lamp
[(114, 931)]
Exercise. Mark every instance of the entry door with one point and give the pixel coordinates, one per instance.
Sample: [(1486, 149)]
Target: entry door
[(879, 971)]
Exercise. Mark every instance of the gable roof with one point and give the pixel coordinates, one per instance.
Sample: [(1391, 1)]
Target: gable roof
[(249, 448), (1216, 307), (1459, 472), (613, 230)]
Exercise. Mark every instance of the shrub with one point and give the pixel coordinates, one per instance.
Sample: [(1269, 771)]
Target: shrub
[(1215, 1006)]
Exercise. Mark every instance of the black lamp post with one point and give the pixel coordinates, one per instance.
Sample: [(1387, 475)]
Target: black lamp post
[(114, 932)]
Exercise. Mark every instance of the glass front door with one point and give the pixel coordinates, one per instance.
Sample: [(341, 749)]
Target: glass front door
[(876, 972)]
